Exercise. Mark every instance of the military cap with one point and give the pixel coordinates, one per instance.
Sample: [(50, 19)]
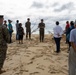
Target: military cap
[(1, 16)]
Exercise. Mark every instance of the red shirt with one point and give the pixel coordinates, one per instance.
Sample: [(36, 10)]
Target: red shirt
[(67, 26)]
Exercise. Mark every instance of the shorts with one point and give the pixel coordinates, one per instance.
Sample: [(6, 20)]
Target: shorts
[(20, 37)]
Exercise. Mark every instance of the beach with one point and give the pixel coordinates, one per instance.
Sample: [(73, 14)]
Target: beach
[(36, 58)]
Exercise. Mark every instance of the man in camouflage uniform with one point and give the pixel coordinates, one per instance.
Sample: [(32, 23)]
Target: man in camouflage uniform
[(28, 28), (4, 38), (41, 27)]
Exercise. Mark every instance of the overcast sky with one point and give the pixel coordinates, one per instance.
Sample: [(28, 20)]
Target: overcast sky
[(49, 10)]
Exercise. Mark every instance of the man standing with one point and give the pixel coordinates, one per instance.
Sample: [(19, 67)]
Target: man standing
[(17, 26), (5, 23), (41, 27), (66, 29), (72, 53), (57, 36), (28, 28), (10, 29), (4, 38)]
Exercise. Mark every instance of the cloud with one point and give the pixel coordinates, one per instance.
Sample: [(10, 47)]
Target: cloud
[(55, 4), (37, 5), (68, 6)]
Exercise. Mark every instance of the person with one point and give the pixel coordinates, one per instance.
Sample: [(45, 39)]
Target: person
[(28, 28), (66, 29), (4, 39), (72, 53), (10, 29), (41, 27), (17, 26), (20, 33), (68, 33), (57, 36), (5, 23)]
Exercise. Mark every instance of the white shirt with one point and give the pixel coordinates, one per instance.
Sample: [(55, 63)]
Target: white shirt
[(57, 30)]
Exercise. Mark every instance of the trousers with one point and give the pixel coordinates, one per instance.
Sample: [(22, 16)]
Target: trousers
[(72, 62), (57, 41), (2, 56)]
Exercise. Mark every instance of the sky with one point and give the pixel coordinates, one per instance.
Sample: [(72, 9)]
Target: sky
[(49, 10)]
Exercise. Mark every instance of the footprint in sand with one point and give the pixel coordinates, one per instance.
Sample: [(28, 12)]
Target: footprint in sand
[(42, 67), (64, 70), (54, 69), (34, 73), (31, 62)]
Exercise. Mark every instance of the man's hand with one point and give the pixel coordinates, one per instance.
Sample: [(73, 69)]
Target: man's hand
[(74, 46), (58, 34)]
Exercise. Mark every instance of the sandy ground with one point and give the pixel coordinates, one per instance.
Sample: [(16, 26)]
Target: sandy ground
[(35, 58)]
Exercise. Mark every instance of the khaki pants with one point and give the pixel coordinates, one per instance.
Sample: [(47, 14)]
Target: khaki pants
[(72, 62)]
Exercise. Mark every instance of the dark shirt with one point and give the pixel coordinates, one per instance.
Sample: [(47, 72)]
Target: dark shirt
[(68, 32), (20, 31), (27, 25), (5, 25), (69, 29), (41, 25)]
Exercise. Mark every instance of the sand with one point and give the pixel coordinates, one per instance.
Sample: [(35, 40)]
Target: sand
[(36, 58)]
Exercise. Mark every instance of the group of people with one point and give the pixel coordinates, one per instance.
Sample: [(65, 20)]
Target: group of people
[(68, 28), (20, 30), (7, 30), (70, 31), (58, 32), (10, 28)]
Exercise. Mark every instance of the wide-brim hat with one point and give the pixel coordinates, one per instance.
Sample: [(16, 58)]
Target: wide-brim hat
[(9, 20)]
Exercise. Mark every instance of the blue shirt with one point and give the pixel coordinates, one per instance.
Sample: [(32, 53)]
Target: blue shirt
[(10, 28), (73, 36)]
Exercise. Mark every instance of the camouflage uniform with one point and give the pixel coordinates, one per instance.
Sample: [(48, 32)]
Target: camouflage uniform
[(28, 30), (41, 31), (4, 38)]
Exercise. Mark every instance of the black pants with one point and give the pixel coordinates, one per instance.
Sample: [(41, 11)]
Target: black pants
[(20, 37), (57, 41), (41, 35), (66, 38), (17, 36), (69, 45), (10, 37), (28, 32)]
